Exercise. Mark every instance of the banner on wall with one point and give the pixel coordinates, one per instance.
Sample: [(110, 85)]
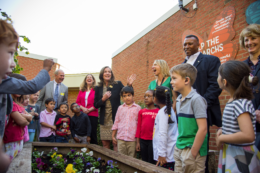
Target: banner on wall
[(253, 13), (219, 41)]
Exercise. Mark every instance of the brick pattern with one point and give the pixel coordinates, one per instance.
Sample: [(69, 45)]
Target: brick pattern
[(73, 94), (165, 42), (31, 67)]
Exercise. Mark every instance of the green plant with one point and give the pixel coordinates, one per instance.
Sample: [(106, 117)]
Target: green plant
[(111, 168), (21, 48), (78, 163)]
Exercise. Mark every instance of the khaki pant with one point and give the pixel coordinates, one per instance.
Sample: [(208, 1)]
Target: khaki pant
[(185, 162), (126, 147)]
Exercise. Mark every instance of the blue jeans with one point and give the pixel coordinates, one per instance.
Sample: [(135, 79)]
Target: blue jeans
[(61, 139), (48, 139), (31, 136)]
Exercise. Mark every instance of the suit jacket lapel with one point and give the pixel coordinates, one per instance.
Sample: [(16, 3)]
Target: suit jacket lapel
[(198, 60), (52, 88)]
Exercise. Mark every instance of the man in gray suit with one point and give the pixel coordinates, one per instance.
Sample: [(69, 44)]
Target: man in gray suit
[(54, 89)]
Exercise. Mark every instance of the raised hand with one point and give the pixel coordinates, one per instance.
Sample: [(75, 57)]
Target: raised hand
[(47, 64), (131, 79)]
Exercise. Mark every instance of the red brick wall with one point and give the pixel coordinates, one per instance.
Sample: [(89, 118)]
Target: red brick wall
[(73, 93), (31, 67), (165, 42)]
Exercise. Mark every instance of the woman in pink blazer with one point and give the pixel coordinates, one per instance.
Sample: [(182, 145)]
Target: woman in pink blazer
[(85, 100)]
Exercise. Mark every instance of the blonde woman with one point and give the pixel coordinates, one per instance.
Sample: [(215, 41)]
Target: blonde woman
[(161, 72), (250, 41), (85, 100)]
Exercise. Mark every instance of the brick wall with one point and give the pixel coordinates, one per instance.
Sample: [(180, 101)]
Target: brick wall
[(165, 42), (73, 93), (31, 67)]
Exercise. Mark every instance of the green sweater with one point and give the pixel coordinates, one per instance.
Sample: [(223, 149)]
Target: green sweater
[(166, 83)]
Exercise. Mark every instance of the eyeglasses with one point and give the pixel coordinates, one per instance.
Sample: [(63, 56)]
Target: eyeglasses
[(76, 107), (148, 96)]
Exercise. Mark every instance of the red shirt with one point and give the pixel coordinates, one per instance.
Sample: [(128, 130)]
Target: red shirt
[(146, 118), (81, 101), (14, 132)]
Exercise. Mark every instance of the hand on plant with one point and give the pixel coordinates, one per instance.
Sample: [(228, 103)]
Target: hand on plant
[(76, 140), (137, 147), (131, 79), (88, 139), (47, 64), (161, 161), (114, 141)]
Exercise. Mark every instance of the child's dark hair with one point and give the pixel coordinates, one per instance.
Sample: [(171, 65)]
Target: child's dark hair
[(72, 105), (237, 75), (48, 100), (127, 89), (162, 94), (63, 103)]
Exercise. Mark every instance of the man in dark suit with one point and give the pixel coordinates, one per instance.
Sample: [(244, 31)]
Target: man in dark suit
[(206, 83)]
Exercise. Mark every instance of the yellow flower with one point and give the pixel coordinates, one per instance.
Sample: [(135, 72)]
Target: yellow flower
[(60, 155), (111, 86), (70, 169), (34, 149)]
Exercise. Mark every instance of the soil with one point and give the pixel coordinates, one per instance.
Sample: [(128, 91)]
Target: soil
[(46, 160)]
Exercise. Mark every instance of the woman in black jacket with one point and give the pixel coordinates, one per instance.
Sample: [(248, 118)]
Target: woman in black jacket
[(107, 98), (250, 40)]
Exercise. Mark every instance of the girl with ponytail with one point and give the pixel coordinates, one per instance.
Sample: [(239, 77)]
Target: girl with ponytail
[(237, 136), (165, 129)]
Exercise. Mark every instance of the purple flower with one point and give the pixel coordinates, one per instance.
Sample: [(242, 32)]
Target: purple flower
[(115, 162), (74, 163), (54, 164), (88, 164), (44, 166), (112, 166), (72, 151), (99, 159), (58, 158), (38, 160), (109, 162)]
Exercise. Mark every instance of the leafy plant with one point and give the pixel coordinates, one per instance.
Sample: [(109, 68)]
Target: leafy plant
[(112, 168), (21, 48), (78, 164)]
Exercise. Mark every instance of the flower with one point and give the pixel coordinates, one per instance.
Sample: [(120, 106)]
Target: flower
[(44, 166), (72, 151), (55, 149), (54, 164), (34, 149), (99, 159), (88, 164), (87, 170), (65, 160), (59, 155), (42, 153), (58, 158), (91, 153), (110, 86), (84, 150), (77, 153), (109, 162), (38, 160), (81, 154), (112, 166), (74, 163), (70, 169)]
